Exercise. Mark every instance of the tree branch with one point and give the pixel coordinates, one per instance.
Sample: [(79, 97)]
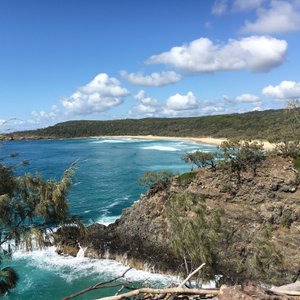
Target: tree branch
[(191, 275), (184, 291), (100, 285)]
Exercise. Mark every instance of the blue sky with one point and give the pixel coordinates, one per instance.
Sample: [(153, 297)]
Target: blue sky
[(113, 59)]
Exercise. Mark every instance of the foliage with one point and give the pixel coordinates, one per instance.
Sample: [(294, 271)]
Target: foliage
[(8, 280), (287, 148), (242, 155), (156, 181), (251, 125), (29, 207), (186, 178), (257, 260), (200, 159), (198, 232), (297, 163)]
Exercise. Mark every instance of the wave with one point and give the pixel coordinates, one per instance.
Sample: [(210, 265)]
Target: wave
[(161, 148), (117, 140), (106, 220), (71, 268)]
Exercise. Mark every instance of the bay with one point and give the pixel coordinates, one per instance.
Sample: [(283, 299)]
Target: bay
[(104, 184)]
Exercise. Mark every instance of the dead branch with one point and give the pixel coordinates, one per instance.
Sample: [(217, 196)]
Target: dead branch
[(177, 290), (100, 285), (191, 275)]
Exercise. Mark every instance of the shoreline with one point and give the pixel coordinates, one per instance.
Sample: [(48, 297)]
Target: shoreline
[(199, 140)]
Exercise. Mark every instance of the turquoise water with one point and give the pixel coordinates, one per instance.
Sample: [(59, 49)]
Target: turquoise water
[(105, 183)]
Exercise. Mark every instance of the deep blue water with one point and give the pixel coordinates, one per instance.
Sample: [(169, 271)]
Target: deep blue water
[(104, 184)]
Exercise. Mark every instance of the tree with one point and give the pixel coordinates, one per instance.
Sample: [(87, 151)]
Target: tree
[(200, 159), (29, 207), (156, 181), (198, 233), (188, 158), (242, 155), (204, 159)]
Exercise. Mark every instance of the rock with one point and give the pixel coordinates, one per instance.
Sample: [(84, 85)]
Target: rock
[(274, 187), (249, 291), (285, 188), (143, 235)]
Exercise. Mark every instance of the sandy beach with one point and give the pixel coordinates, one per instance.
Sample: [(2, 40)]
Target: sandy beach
[(200, 140)]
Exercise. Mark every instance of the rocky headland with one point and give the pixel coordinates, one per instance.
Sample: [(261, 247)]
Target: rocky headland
[(261, 215)]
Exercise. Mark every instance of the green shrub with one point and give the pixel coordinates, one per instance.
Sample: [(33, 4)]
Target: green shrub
[(186, 178), (297, 163)]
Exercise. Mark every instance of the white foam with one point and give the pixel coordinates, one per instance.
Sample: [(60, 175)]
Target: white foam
[(71, 268), (160, 148), (106, 220), (117, 140)]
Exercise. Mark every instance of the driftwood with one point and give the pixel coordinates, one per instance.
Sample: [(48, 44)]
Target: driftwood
[(176, 290), (169, 293), (179, 292)]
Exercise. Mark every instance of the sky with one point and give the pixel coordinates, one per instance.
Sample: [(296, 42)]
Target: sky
[(116, 59)]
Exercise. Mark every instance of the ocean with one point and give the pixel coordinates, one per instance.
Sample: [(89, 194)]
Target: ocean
[(106, 182)]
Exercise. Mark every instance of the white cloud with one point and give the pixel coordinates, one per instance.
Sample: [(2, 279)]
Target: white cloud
[(255, 53), (280, 17), (100, 95), (248, 98), (154, 79), (219, 7), (182, 102), (242, 5), (176, 105), (285, 90), (147, 105), (42, 116), (141, 96)]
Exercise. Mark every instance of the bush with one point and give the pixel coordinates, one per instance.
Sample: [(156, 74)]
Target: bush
[(186, 178)]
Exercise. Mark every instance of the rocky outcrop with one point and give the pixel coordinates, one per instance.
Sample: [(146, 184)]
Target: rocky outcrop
[(141, 237)]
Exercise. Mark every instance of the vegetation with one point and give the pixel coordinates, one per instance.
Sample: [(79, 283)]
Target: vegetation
[(251, 125), (200, 159), (241, 155), (156, 181), (186, 178), (198, 233), (29, 207)]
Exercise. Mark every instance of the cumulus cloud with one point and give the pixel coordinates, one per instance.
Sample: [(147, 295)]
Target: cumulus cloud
[(176, 105), (285, 90), (154, 79), (180, 102), (248, 98), (242, 5), (100, 95), (280, 17), (219, 7), (255, 53)]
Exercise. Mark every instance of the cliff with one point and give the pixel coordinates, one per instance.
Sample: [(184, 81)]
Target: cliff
[(247, 230)]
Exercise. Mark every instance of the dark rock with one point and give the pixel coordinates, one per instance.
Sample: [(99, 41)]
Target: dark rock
[(274, 187)]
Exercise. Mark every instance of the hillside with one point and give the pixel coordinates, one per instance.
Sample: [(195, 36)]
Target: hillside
[(258, 124), (246, 230)]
